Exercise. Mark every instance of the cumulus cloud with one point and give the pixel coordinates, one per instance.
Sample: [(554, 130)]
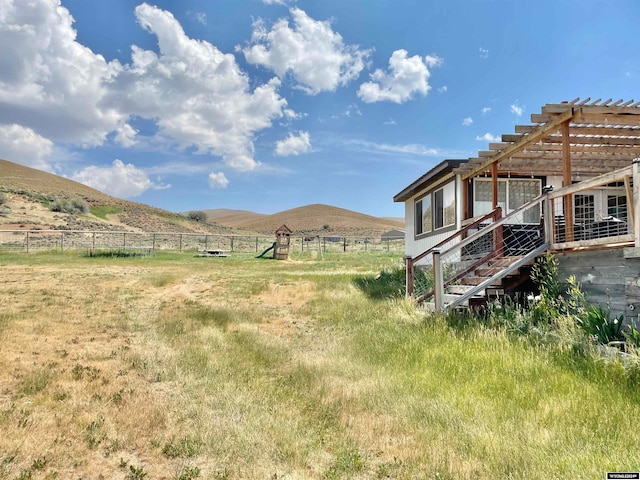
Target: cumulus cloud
[(293, 145), (197, 95), (22, 145), (49, 82), (517, 109), (119, 180), (467, 121), (274, 2), (406, 76), (218, 180), (488, 137), (443, 89), (486, 110), (484, 53), (310, 51)]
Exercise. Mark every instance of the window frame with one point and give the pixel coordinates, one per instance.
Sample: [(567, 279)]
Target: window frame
[(420, 213)]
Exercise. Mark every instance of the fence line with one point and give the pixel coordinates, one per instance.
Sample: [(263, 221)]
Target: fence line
[(30, 241)]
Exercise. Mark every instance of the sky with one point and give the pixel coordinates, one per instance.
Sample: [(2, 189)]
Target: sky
[(267, 105)]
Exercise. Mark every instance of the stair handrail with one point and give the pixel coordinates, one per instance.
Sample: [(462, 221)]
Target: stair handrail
[(439, 286), (496, 213)]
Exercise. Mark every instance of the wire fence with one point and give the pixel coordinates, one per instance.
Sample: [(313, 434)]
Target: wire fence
[(32, 241)]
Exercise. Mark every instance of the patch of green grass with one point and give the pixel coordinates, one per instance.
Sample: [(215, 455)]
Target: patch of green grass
[(104, 210), (36, 381)]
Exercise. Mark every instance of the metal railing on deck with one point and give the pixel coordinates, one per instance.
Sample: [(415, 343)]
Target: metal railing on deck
[(419, 269), (587, 216)]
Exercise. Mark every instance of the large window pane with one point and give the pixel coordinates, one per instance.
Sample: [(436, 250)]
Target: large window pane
[(427, 214), (418, 217), (483, 196)]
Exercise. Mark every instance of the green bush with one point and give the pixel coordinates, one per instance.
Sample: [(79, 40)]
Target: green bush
[(65, 205), (598, 322)]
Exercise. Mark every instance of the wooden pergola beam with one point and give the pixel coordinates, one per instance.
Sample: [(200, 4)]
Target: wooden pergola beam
[(530, 138)]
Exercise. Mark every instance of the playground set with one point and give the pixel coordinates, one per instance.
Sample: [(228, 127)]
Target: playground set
[(280, 247)]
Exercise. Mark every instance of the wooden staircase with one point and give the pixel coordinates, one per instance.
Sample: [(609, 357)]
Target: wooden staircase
[(495, 289)]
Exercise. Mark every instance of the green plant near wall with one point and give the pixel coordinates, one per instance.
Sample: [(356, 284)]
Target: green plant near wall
[(599, 323)]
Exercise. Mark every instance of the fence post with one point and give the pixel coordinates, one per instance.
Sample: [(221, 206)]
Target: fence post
[(232, 237), (387, 244), (408, 261), (256, 244), (366, 244), (62, 242), (93, 241), (302, 244), (344, 244), (206, 242), (180, 242), (27, 241), (153, 242), (636, 200), (547, 214), (124, 239), (438, 287)]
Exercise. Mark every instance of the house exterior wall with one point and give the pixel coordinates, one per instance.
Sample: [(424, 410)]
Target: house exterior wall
[(415, 245)]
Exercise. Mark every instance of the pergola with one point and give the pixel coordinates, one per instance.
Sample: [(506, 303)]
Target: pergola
[(576, 140)]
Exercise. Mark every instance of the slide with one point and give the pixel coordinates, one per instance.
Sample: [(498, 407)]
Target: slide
[(267, 250)]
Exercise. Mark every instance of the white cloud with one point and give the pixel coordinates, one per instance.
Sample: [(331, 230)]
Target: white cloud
[(197, 95), (488, 137), (467, 121), (391, 121), (486, 110), (433, 61), (125, 135), (311, 52), (218, 180), (274, 2), (517, 109), (22, 145), (200, 17), (443, 89), (119, 180), (406, 76), (484, 53), (294, 145), (49, 82), (391, 149)]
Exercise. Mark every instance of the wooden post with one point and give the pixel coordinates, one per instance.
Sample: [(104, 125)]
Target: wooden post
[(631, 210), (465, 198), (344, 244), (636, 198), (232, 243), (93, 241), (408, 262), (438, 287), (62, 242), (494, 184), (180, 242), (547, 214), (124, 240), (206, 242), (27, 241), (498, 234), (153, 242), (566, 180)]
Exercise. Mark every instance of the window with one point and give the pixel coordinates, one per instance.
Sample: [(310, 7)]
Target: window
[(584, 208), (617, 207), (436, 210), (512, 194)]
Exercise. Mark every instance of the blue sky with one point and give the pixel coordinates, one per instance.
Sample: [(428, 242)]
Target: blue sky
[(267, 105)]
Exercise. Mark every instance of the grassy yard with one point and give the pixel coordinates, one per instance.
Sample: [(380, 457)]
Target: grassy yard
[(178, 367)]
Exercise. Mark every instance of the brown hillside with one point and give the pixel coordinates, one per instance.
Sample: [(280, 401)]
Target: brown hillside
[(232, 218), (322, 220), (28, 193)]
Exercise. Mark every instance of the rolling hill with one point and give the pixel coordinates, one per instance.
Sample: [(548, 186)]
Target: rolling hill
[(28, 194)]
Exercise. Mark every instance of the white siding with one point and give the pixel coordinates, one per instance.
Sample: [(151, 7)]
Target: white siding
[(413, 246)]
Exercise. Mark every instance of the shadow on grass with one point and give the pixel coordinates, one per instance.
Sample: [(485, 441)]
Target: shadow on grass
[(387, 284)]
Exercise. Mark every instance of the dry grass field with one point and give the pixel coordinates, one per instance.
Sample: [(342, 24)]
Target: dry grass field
[(176, 367)]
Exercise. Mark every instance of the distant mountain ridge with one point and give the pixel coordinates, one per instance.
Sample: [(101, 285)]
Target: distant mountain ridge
[(28, 192), (316, 219)]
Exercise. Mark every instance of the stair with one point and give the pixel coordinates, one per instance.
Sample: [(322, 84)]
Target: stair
[(502, 273)]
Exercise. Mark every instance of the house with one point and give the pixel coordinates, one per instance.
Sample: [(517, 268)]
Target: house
[(394, 234), (563, 184)]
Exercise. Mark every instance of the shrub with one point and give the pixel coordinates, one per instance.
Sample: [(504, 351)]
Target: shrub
[(3, 198), (72, 206), (598, 322), (198, 216)]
